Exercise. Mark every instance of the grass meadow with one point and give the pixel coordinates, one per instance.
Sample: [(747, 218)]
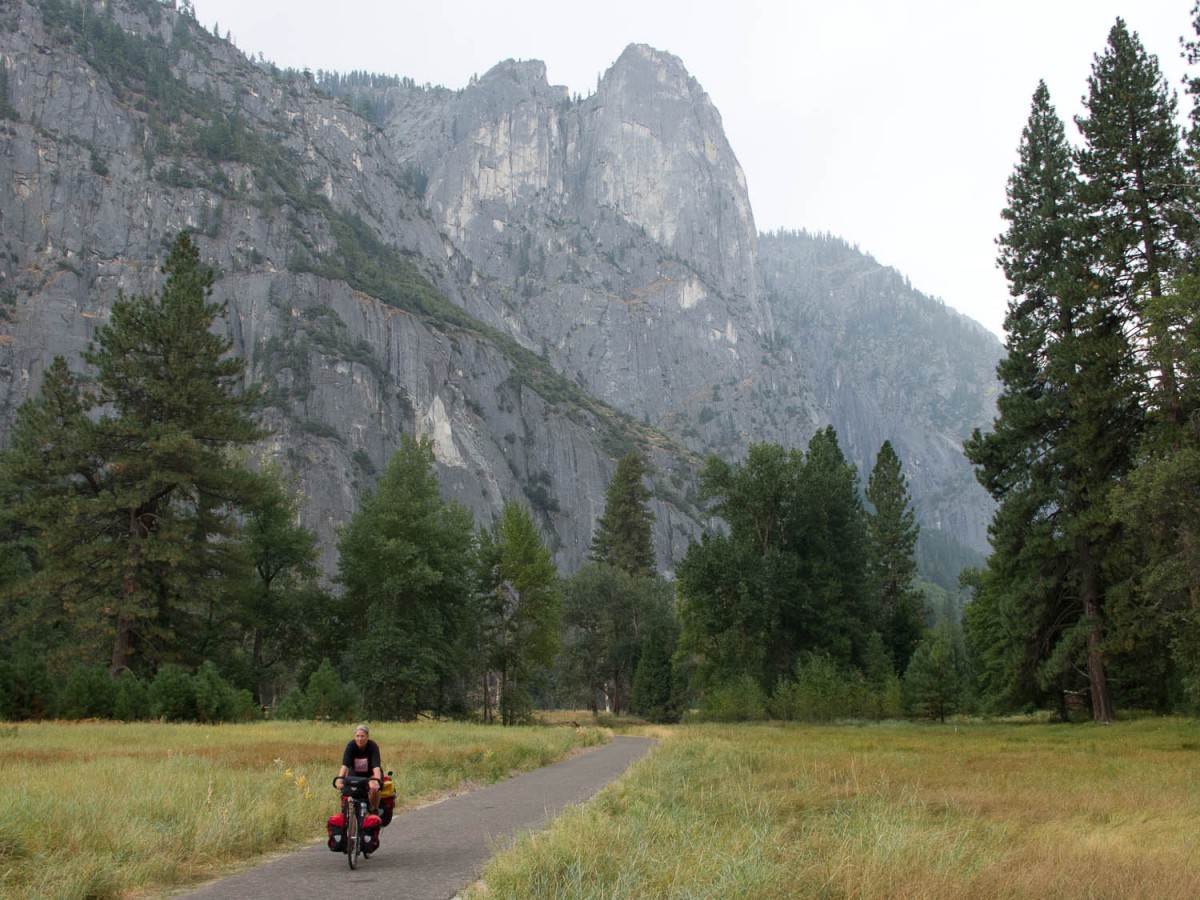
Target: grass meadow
[(882, 811), (892, 810), (107, 810)]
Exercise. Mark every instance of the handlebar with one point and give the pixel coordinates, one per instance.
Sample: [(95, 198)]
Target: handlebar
[(349, 782)]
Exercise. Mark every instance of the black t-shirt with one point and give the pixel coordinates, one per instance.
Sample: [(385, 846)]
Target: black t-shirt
[(362, 762)]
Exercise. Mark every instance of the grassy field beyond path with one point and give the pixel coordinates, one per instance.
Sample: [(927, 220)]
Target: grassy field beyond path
[(105, 810), (890, 810)]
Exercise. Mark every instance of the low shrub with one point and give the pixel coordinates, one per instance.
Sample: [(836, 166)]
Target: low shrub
[(88, 693), (740, 699), (824, 692), (325, 696)]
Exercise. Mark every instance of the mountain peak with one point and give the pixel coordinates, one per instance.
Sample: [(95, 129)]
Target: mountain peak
[(530, 72), (643, 68), (514, 79)]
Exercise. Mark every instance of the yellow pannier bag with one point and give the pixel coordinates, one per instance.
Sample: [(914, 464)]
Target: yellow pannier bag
[(388, 791)]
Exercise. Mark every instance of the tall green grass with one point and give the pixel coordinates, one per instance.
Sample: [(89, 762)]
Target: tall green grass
[(101, 810), (892, 810)]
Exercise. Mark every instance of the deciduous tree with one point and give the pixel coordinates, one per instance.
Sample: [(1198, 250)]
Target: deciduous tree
[(791, 572), (603, 621), (520, 610), (282, 605)]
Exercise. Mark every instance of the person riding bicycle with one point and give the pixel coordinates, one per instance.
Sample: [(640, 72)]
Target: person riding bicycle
[(361, 758)]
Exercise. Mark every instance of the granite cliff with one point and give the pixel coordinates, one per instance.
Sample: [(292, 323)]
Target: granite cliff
[(538, 282)]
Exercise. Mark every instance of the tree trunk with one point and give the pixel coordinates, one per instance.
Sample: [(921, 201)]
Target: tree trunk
[(487, 698), (266, 688), (1102, 709), (122, 653), (501, 699)]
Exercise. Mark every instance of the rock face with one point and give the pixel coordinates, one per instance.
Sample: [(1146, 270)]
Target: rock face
[(604, 244), (617, 229), (925, 391)]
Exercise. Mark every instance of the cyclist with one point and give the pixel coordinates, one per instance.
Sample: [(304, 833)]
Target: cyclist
[(361, 758)]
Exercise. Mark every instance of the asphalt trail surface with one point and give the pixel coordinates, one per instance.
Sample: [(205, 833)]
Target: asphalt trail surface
[(436, 851)]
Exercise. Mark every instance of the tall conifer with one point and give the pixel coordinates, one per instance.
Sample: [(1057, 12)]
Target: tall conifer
[(623, 536), (1061, 437), (1095, 342), (1157, 502), (1138, 197), (893, 530), (133, 507), (405, 566)]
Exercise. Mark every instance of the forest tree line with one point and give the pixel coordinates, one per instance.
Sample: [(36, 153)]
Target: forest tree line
[(153, 568)]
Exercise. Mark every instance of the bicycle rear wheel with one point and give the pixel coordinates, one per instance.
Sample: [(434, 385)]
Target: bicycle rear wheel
[(353, 834)]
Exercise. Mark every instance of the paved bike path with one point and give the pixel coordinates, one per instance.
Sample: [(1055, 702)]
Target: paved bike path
[(434, 852)]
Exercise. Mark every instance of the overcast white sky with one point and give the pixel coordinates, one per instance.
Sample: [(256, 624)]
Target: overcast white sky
[(894, 125)]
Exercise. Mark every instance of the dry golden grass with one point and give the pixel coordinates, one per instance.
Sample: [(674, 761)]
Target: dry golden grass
[(105, 810), (891, 810)]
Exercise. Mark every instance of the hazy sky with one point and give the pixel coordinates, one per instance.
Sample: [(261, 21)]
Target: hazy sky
[(894, 125)]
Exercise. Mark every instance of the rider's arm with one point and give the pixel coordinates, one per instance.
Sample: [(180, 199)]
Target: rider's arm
[(346, 760)]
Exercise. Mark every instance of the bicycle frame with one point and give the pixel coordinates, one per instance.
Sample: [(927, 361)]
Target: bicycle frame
[(354, 809)]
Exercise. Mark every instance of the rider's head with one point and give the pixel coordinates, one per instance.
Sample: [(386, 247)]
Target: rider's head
[(361, 733)]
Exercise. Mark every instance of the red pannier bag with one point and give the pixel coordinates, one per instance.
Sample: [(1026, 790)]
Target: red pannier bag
[(336, 826), (371, 825)]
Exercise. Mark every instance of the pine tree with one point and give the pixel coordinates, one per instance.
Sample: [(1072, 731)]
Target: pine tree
[(405, 566), (1156, 502), (179, 401), (1094, 342), (934, 680), (1138, 195), (1066, 426), (1139, 205), (584, 664), (624, 536), (1160, 617), (656, 692), (893, 530), (1137, 192), (827, 601), (134, 508)]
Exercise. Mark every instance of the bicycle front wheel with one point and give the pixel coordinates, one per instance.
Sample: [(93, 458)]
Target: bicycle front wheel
[(353, 834)]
